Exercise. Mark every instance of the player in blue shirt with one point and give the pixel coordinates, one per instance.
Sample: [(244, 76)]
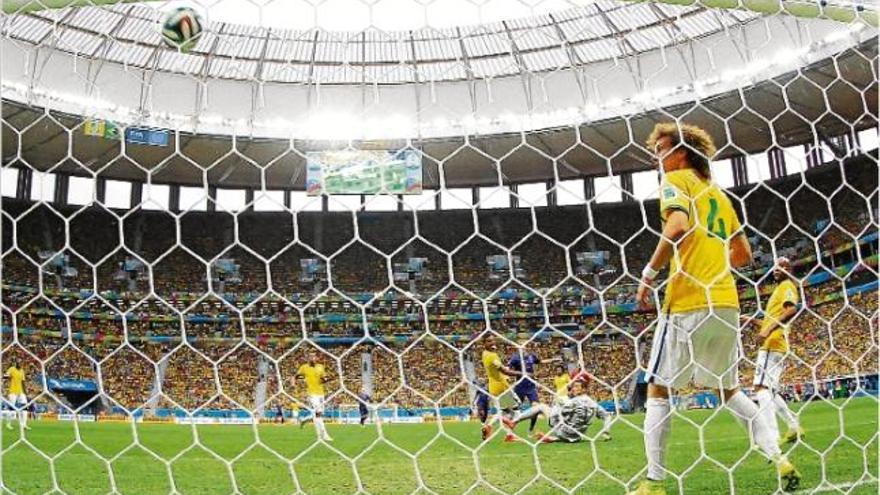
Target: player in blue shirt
[(526, 389), (364, 407)]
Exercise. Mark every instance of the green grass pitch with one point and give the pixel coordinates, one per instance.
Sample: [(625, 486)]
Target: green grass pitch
[(839, 455)]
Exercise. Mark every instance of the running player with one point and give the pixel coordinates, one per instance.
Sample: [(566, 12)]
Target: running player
[(781, 309), (526, 389), (364, 407), (16, 395), (697, 333), (314, 374), (496, 374)]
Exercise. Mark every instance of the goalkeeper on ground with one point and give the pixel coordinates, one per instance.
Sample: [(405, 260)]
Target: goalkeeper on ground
[(569, 419)]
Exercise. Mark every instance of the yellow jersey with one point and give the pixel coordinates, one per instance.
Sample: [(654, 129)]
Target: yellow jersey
[(313, 375), (784, 293), (561, 383), (16, 380), (702, 258), (497, 380)]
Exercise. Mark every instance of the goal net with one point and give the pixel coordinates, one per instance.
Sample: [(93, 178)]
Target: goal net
[(339, 246)]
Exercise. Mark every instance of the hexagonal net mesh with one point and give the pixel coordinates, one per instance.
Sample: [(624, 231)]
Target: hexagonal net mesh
[(634, 247)]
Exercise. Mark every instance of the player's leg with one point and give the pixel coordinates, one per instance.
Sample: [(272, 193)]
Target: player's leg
[(11, 402), (506, 406), (605, 416), (23, 413), (764, 385), (532, 397), (789, 418), (668, 360), (716, 352), (317, 403), (532, 413), (775, 366)]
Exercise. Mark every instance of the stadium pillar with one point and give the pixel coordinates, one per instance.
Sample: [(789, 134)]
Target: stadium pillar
[(589, 188), (287, 193), (776, 159), (174, 199), (740, 170), (626, 182), (137, 193), (101, 189), (25, 180), (212, 198), (249, 199), (514, 199), (62, 185)]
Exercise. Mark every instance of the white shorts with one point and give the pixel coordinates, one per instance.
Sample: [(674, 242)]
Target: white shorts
[(16, 400), (768, 369), (701, 345), (316, 404)]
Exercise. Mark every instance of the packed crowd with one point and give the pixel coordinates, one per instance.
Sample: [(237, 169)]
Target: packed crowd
[(211, 349)]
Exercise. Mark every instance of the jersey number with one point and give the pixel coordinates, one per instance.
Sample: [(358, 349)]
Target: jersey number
[(719, 230)]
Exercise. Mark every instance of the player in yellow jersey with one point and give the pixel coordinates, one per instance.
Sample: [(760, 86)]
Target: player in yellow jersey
[(780, 310), (314, 374), (697, 335), (16, 394), (502, 394), (561, 383)]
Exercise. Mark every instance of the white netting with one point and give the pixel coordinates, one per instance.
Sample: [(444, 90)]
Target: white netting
[(165, 273)]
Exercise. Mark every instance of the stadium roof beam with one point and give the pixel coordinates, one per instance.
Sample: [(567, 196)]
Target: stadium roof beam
[(205, 69), (310, 78), (468, 70), (525, 81), (844, 11), (104, 47), (675, 33), (573, 58), (417, 86), (626, 48)]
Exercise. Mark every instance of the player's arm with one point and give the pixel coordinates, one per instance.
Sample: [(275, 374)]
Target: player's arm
[(789, 309), (507, 370), (674, 230), (740, 251), (556, 359)]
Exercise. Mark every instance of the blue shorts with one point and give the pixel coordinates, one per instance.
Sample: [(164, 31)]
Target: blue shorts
[(526, 394)]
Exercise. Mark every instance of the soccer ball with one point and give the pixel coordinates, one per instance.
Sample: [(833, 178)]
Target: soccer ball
[(181, 29)]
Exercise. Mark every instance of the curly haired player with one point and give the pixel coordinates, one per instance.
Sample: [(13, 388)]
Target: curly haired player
[(697, 335)]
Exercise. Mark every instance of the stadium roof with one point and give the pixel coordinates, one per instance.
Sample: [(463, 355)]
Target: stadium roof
[(602, 30), (586, 85)]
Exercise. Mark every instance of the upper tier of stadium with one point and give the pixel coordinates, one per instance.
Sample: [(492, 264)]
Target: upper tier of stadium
[(588, 73)]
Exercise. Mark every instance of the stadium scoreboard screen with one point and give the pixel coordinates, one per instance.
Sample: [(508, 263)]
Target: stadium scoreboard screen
[(363, 172)]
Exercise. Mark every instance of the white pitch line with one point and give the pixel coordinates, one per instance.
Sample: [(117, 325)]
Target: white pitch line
[(835, 487)]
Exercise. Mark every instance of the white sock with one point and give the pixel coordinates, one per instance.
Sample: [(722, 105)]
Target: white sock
[(657, 422), (785, 413), (319, 426), (764, 433), (606, 424), (22, 417)]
